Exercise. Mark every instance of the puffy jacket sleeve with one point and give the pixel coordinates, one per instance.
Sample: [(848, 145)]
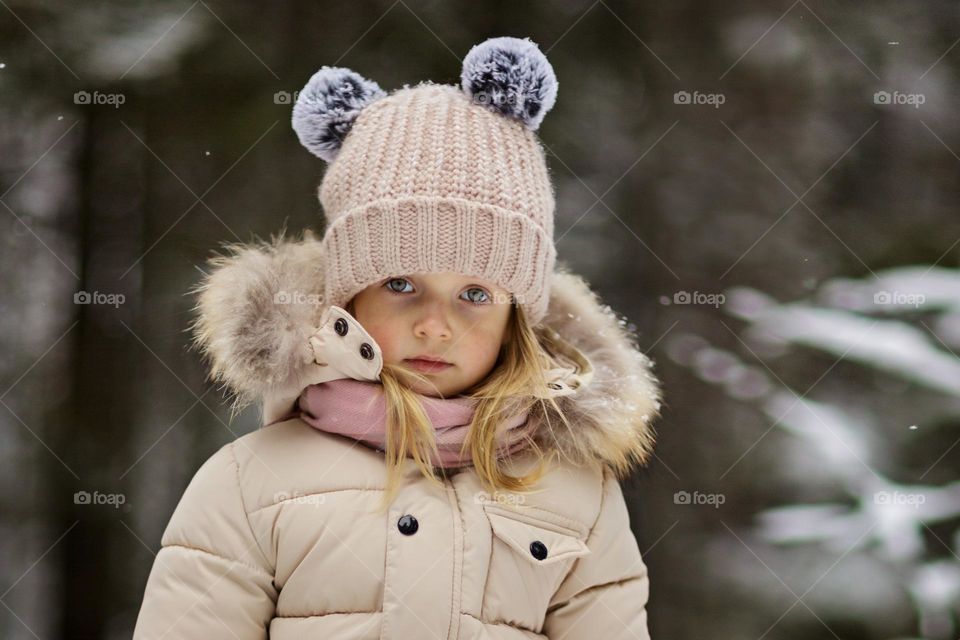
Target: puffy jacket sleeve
[(605, 594), (210, 578)]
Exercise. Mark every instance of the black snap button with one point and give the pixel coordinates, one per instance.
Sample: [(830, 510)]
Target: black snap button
[(538, 550), (408, 525), (340, 326), (366, 351)]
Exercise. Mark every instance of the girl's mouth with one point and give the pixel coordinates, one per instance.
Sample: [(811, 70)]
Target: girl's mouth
[(428, 366)]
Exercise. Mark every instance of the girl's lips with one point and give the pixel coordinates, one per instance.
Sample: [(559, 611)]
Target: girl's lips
[(428, 366)]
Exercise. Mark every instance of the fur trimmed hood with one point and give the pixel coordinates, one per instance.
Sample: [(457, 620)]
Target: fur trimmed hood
[(262, 325)]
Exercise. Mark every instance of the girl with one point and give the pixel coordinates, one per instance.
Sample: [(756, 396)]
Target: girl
[(445, 424)]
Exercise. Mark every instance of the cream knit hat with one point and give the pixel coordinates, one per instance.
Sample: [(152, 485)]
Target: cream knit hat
[(436, 177)]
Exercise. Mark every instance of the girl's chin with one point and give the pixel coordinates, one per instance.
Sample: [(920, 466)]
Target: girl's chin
[(429, 391)]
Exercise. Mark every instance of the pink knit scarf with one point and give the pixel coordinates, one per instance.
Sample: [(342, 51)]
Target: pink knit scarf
[(357, 409)]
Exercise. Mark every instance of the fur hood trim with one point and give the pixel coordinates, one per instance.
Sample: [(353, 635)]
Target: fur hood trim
[(259, 311)]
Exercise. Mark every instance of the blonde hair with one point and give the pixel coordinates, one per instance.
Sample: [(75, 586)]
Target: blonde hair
[(513, 386)]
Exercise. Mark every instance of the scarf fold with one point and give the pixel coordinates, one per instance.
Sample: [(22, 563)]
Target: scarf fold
[(357, 409)]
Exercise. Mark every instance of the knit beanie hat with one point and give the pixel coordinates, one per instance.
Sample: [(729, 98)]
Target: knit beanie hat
[(436, 177)]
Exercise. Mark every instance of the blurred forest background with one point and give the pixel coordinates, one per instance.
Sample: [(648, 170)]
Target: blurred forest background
[(767, 191)]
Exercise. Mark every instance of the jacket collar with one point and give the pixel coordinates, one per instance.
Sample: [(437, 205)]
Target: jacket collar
[(261, 324)]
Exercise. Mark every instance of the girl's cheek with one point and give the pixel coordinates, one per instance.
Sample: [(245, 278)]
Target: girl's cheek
[(383, 335), (482, 340)]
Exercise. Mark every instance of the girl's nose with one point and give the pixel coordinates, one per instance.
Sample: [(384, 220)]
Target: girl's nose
[(432, 324)]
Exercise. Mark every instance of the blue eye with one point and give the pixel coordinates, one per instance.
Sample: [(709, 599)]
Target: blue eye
[(473, 299), (474, 295), (392, 281)]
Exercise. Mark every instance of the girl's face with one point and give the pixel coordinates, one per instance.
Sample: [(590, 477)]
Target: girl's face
[(459, 319)]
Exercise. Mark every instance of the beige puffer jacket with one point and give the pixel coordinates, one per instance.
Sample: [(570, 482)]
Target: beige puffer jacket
[(278, 534)]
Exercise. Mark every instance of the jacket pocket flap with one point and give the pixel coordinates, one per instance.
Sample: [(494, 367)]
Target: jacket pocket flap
[(537, 543)]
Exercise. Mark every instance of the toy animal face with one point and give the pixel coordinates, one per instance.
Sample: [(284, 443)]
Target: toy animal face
[(342, 344)]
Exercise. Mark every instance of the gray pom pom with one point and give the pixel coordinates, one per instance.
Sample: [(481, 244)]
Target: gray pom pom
[(511, 76), (328, 106)]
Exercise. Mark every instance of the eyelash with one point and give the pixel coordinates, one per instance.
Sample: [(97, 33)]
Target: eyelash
[(476, 304)]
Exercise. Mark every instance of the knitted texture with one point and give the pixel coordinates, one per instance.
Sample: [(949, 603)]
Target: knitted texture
[(357, 409), (430, 180)]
